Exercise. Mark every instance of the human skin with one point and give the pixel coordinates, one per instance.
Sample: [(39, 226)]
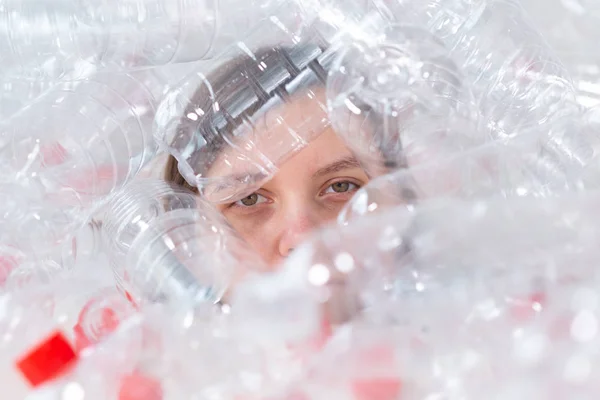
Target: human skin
[(307, 190)]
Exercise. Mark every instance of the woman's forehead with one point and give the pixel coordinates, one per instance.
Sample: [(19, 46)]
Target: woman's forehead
[(320, 152), (274, 135)]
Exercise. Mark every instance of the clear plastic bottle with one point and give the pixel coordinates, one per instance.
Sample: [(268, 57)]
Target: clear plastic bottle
[(570, 27), (46, 326), (130, 33), (20, 89), (46, 233), (513, 169), (396, 92), (37, 228), (515, 75), (189, 255), (133, 209), (79, 144), (34, 348), (165, 243), (234, 109), (111, 370), (242, 119)]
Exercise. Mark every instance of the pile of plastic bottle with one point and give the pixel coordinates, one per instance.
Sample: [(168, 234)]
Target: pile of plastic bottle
[(465, 270)]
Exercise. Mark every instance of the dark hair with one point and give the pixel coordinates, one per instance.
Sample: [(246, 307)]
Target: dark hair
[(241, 87)]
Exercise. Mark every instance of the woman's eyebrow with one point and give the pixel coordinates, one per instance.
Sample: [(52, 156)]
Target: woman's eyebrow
[(336, 166)]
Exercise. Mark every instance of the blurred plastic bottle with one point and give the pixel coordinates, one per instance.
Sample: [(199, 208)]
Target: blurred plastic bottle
[(31, 225), (395, 94), (187, 255), (570, 27), (130, 33), (515, 76), (84, 303), (111, 370), (34, 349), (80, 144), (439, 244), (45, 326), (10, 259), (360, 362), (46, 232), (20, 89), (158, 355), (167, 244), (512, 169)]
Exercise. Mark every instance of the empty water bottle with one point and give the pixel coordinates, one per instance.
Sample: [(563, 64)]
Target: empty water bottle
[(516, 77), (393, 95), (133, 209), (113, 369), (131, 33), (512, 169), (80, 144), (34, 348), (236, 118), (187, 254)]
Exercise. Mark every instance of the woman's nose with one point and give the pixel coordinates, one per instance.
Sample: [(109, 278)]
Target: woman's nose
[(294, 230)]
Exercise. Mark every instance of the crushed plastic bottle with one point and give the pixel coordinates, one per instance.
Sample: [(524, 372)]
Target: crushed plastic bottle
[(396, 92), (167, 243)]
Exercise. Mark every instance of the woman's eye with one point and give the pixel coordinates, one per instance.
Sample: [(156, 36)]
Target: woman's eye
[(251, 200), (341, 187)]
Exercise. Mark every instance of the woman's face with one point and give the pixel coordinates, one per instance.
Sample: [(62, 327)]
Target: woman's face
[(308, 191)]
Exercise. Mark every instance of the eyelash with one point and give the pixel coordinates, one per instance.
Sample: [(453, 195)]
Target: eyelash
[(262, 199)]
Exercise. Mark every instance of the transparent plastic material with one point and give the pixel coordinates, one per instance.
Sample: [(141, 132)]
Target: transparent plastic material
[(230, 130), (414, 295), (114, 369), (515, 280), (41, 343), (81, 143), (570, 27), (133, 209), (165, 243), (43, 232), (514, 169), (19, 90), (516, 78), (148, 359), (128, 33), (187, 255), (442, 244), (31, 224), (396, 91), (231, 122), (25, 328)]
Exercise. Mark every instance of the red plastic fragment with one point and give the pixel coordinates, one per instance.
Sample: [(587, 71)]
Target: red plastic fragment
[(136, 386), (47, 360), (527, 308), (377, 389)]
